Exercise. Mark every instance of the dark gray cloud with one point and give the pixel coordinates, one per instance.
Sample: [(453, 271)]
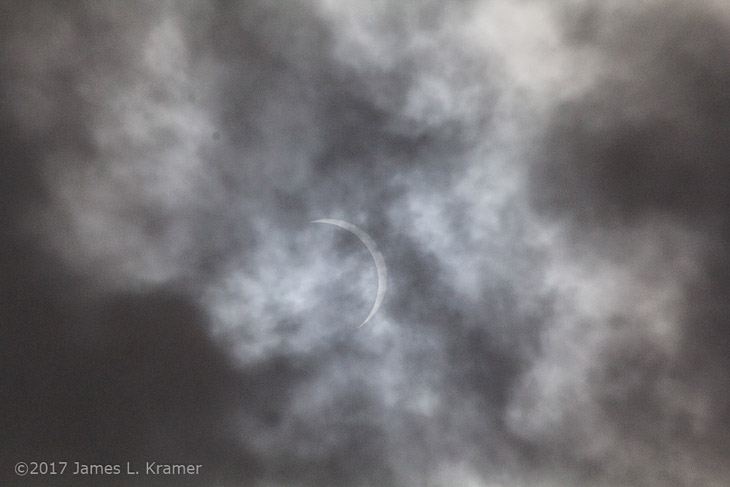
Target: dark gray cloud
[(545, 181), (634, 168)]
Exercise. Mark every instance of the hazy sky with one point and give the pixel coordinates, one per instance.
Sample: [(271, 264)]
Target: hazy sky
[(548, 182)]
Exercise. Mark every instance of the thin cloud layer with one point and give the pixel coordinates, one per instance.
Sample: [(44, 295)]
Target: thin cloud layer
[(545, 181)]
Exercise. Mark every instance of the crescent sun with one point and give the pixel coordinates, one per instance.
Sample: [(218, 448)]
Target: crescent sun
[(377, 257)]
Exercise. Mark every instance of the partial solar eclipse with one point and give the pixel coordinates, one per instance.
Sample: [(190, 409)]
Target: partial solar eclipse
[(377, 257)]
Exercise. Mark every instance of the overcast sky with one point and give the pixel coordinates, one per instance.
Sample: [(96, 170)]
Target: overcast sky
[(548, 182)]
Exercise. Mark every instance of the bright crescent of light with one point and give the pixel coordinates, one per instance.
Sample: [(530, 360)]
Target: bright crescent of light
[(377, 257)]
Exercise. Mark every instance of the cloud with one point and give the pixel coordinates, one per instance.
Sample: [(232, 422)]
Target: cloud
[(545, 181)]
